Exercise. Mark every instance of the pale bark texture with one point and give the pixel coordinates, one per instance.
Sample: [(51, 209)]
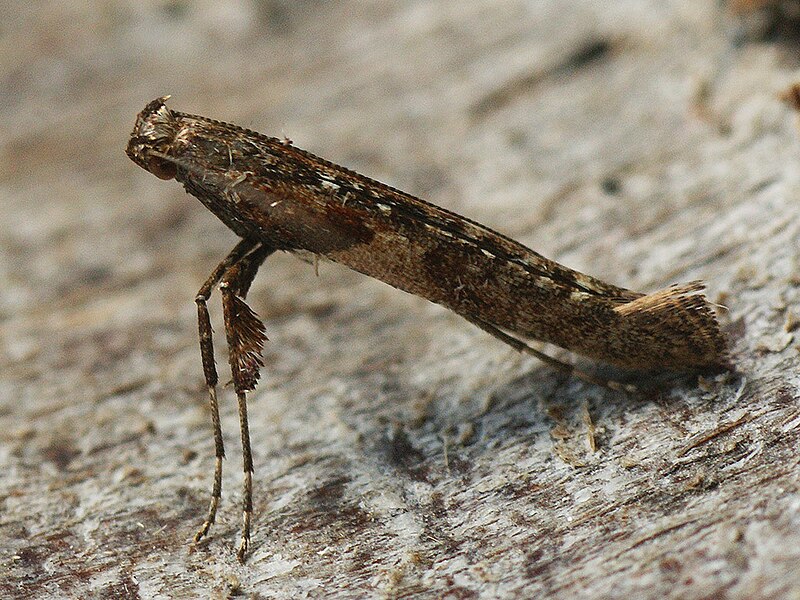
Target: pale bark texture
[(399, 451)]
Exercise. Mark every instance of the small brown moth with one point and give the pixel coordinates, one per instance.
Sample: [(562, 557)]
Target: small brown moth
[(278, 197)]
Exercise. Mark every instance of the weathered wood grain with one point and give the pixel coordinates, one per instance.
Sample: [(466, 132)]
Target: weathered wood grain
[(398, 451)]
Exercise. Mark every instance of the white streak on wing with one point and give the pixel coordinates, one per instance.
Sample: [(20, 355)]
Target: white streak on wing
[(440, 231), (329, 185)]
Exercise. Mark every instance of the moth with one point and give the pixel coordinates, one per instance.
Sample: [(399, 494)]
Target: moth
[(276, 197)]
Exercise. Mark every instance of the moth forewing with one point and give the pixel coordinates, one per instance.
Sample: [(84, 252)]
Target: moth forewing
[(278, 197)]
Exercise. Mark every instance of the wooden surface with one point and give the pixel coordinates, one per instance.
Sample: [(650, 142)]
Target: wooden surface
[(399, 451)]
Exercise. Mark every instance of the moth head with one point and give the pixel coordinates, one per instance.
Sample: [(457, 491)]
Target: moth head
[(152, 135)]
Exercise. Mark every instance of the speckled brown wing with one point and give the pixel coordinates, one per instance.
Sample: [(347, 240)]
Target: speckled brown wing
[(266, 188)]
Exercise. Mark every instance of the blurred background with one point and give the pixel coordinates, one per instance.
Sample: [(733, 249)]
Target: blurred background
[(398, 450)]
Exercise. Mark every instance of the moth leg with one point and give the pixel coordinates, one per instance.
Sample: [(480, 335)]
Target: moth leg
[(521, 346), (210, 371), (246, 337)]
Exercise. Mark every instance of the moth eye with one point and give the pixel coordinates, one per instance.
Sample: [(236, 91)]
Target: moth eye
[(161, 168)]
